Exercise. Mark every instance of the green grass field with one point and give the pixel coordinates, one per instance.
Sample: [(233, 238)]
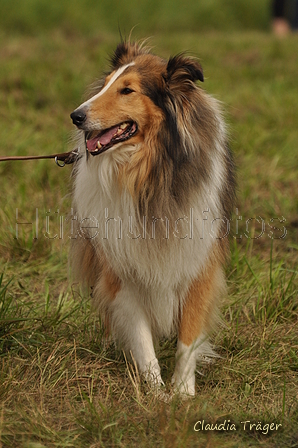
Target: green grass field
[(60, 384)]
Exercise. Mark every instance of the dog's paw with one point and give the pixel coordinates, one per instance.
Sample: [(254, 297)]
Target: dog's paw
[(184, 387), (153, 379)]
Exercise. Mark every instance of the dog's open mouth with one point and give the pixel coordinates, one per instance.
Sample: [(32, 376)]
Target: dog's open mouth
[(100, 142)]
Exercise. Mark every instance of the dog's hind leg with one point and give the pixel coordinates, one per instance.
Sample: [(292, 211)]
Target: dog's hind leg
[(195, 322), (131, 327)]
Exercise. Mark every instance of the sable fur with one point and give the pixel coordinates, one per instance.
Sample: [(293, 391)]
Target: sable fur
[(152, 281)]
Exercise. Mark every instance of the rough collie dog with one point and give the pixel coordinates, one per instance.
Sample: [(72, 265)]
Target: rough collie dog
[(153, 193)]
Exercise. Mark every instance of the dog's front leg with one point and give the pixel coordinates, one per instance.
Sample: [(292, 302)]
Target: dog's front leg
[(186, 360), (196, 321), (131, 327)]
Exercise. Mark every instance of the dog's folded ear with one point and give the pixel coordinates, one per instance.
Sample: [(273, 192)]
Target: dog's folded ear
[(125, 53), (120, 54), (182, 69)]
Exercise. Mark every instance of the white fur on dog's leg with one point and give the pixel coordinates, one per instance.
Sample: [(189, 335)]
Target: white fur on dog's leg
[(132, 328), (186, 359), (151, 374), (184, 374)]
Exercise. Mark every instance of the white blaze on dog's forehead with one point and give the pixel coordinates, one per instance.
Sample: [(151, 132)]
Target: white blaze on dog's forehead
[(112, 80)]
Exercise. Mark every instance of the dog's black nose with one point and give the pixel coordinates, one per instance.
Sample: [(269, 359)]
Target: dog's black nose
[(78, 117)]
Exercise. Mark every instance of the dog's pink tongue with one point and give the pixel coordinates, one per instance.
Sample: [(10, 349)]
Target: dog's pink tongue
[(103, 139)]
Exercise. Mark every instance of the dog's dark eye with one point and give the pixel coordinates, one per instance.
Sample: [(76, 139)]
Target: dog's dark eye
[(126, 91)]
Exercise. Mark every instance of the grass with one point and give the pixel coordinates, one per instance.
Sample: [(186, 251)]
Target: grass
[(61, 384), (91, 17)]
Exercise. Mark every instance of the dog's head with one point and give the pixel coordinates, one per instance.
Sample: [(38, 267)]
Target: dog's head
[(141, 91)]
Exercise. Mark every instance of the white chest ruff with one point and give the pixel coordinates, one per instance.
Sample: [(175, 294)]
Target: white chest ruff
[(157, 250)]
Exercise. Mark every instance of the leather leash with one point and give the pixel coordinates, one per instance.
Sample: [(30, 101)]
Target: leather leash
[(61, 159)]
